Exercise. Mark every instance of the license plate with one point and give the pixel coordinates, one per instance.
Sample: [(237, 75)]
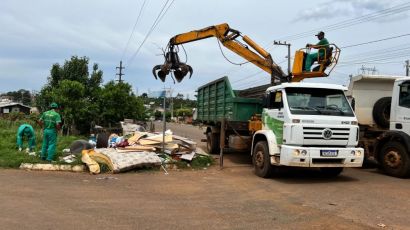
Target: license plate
[(328, 153)]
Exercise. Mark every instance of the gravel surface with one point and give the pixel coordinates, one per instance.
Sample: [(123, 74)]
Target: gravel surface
[(232, 198)]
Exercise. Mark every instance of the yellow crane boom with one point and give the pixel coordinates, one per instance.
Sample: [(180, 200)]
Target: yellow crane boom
[(247, 49), (227, 37)]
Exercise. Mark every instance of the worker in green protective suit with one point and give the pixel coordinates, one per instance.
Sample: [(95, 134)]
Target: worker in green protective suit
[(51, 122), (26, 131), (322, 45)]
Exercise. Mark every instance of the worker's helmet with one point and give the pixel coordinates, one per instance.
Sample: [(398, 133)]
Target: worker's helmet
[(53, 105)]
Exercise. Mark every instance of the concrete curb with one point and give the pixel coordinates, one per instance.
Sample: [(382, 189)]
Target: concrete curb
[(53, 167)]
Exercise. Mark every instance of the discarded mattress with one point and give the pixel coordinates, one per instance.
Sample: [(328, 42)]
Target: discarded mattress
[(118, 161)]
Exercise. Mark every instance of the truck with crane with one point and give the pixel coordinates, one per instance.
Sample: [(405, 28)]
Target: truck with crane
[(382, 107), (296, 124)]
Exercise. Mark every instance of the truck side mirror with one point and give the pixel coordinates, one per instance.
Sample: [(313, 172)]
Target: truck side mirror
[(265, 101)]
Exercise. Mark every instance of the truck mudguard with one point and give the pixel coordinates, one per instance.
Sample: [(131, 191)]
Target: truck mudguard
[(270, 138)]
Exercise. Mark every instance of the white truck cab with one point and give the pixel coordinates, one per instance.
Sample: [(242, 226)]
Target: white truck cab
[(382, 106), (400, 112), (307, 125)]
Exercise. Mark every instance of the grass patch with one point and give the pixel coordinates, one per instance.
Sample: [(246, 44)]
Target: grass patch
[(202, 161), (198, 162), (10, 157)]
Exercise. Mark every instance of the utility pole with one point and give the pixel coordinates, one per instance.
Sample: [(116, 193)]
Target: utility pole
[(288, 45), (120, 74), (407, 68), (164, 121), (172, 103)]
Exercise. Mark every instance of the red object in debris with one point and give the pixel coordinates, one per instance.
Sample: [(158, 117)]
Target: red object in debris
[(123, 144)]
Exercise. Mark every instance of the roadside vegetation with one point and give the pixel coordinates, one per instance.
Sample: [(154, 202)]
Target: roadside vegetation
[(84, 102), (10, 157)]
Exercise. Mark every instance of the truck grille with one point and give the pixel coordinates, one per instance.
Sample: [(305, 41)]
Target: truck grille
[(321, 133)]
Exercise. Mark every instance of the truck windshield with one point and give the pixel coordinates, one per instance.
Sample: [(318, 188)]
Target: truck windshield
[(316, 101)]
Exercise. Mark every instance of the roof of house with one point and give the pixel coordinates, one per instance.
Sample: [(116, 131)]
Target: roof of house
[(6, 103)]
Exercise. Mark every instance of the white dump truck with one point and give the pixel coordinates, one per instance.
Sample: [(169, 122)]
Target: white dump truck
[(382, 107)]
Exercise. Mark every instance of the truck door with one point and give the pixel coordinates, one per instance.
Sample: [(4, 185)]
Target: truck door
[(401, 110), (273, 115)]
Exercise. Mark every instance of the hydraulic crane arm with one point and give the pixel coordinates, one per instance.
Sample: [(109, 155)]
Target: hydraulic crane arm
[(250, 51), (227, 37)]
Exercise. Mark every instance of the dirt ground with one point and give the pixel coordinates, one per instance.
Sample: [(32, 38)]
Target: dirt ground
[(232, 198)]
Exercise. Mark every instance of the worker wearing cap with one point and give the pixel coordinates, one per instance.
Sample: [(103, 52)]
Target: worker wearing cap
[(322, 45), (26, 131), (51, 122)]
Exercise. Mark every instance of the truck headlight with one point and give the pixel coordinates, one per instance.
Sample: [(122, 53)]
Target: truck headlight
[(356, 153), (298, 152)]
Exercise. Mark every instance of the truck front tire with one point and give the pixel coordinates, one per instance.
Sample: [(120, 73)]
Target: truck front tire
[(212, 143), (394, 159), (261, 160)]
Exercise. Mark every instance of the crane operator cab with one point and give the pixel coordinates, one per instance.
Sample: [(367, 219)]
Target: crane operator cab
[(321, 67)]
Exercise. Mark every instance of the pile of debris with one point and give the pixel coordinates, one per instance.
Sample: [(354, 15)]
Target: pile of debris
[(136, 150)]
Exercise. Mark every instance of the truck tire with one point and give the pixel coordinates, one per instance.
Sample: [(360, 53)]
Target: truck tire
[(381, 112), (212, 143), (261, 160), (394, 159), (331, 172)]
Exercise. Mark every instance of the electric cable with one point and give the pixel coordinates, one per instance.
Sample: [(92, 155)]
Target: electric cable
[(133, 29), (156, 22), (379, 40), (350, 22)]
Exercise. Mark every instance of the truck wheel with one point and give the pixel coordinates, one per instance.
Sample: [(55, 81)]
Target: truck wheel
[(331, 172), (261, 160), (394, 159), (381, 112), (212, 143)]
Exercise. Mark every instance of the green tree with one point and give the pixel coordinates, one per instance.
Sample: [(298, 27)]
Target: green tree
[(21, 95), (76, 91), (118, 102), (158, 115), (184, 112)]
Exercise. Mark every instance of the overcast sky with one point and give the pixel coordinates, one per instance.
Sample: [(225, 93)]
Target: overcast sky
[(36, 34)]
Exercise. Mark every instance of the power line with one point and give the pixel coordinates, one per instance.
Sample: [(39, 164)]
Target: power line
[(351, 22), (156, 22), (383, 54), (383, 51), (133, 29), (380, 40)]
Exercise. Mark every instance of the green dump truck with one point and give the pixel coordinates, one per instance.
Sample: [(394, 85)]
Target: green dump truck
[(217, 101)]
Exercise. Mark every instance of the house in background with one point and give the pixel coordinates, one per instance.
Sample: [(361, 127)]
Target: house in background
[(7, 106)]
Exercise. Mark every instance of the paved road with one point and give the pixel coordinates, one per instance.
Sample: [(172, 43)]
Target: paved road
[(232, 198)]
